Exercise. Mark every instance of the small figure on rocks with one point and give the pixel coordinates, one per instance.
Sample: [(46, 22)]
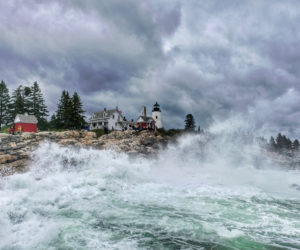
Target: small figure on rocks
[(20, 130), (11, 130)]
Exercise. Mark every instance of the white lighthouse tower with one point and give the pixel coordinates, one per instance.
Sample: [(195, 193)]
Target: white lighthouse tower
[(156, 115)]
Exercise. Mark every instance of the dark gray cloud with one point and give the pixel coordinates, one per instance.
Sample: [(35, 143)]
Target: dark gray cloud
[(210, 58)]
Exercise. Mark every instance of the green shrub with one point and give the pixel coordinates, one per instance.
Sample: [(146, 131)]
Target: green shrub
[(171, 132), (99, 132)]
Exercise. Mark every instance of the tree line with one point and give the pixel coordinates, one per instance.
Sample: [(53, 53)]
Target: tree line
[(283, 143), (30, 100)]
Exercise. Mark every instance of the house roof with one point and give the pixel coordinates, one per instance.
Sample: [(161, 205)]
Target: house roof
[(108, 113), (146, 118), (26, 119)]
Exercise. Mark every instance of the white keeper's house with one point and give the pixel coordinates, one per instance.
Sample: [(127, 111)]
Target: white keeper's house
[(111, 119)]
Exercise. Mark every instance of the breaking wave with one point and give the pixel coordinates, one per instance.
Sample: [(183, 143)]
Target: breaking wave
[(202, 192)]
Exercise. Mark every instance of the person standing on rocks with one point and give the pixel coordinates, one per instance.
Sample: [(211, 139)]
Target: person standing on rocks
[(11, 130), (20, 129)]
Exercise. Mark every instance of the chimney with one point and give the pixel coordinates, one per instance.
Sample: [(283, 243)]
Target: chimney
[(144, 111)]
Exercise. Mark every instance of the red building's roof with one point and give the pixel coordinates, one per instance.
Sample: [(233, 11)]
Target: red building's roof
[(26, 119)]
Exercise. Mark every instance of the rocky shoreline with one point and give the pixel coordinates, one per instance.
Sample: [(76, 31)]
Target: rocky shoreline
[(15, 150)]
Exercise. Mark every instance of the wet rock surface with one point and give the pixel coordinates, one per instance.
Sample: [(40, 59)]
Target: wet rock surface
[(15, 150)]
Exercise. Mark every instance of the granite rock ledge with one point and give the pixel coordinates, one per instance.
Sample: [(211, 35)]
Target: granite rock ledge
[(15, 150)]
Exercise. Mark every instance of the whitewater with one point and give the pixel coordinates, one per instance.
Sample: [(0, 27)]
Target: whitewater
[(201, 193)]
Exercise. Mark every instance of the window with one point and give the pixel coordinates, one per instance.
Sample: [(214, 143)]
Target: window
[(156, 117), (94, 125), (113, 116)]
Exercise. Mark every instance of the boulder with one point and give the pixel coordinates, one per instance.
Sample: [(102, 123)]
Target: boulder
[(7, 158), (28, 136)]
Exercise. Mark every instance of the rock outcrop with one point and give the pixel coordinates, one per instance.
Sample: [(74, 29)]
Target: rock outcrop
[(15, 150)]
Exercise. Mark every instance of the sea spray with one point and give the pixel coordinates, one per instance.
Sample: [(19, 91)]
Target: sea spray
[(206, 191)]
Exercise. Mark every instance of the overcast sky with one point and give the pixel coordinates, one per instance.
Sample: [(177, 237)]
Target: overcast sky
[(214, 59)]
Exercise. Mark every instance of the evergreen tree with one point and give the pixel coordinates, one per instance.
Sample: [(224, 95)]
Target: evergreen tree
[(37, 105), (272, 143), (17, 105), (279, 141), (53, 122), (64, 111), (189, 123), (288, 143), (284, 142), (77, 112), (26, 92), (296, 145), (69, 114), (61, 109), (4, 104)]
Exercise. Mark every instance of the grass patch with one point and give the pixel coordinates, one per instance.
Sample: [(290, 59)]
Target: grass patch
[(5, 130)]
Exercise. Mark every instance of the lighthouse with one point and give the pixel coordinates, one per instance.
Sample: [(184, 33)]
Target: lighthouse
[(156, 115)]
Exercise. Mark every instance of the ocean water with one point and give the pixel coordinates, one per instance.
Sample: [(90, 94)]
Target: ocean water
[(224, 195)]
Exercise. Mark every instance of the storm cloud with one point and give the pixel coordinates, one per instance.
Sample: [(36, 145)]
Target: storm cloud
[(214, 59)]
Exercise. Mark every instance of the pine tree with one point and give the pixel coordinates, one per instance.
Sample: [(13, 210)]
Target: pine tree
[(77, 112), (189, 123), (284, 142), (4, 104), (279, 141), (272, 143), (26, 92), (69, 113), (53, 122), (288, 144), (17, 105), (296, 145), (64, 111), (37, 105), (61, 109)]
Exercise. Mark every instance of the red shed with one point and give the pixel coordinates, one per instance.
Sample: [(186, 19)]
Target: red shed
[(28, 123)]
